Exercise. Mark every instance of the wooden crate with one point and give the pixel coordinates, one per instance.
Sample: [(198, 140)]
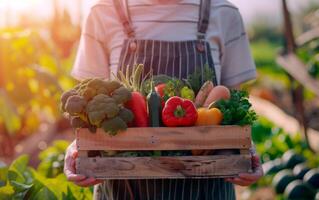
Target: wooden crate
[(185, 138)]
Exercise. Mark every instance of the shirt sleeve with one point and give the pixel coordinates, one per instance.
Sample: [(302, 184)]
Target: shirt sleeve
[(92, 57), (237, 63)]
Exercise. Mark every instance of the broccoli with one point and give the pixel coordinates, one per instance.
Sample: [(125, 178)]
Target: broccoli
[(77, 122), (100, 107), (126, 115), (121, 95), (97, 103), (65, 97), (111, 86), (112, 126), (93, 87), (75, 105)]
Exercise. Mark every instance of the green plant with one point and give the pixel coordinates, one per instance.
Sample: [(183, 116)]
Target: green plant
[(22, 182), (52, 159), (237, 110)]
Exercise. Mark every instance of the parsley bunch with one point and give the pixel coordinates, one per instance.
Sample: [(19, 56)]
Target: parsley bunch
[(237, 110)]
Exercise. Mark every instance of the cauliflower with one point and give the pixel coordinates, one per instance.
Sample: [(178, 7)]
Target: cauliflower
[(101, 107)]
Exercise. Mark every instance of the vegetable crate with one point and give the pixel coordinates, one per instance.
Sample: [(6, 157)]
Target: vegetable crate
[(167, 167)]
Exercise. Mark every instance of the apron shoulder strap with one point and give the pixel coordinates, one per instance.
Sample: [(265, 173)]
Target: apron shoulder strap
[(125, 20), (204, 15)]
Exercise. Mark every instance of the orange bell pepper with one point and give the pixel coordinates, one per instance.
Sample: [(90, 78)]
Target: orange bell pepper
[(207, 117)]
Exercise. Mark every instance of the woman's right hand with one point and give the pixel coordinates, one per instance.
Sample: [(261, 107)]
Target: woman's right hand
[(69, 168)]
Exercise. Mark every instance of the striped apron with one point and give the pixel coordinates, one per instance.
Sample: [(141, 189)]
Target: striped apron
[(176, 59)]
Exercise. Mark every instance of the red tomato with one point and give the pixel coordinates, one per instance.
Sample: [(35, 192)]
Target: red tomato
[(160, 89)]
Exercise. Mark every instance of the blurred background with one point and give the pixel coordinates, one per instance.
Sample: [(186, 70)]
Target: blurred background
[(38, 42)]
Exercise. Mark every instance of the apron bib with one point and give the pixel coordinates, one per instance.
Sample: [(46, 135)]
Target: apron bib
[(177, 59)]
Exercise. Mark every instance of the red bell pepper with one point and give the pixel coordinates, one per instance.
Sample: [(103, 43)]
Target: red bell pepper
[(138, 106), (179, 112)]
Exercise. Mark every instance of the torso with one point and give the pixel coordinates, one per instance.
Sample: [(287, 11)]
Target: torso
[(176, 21)]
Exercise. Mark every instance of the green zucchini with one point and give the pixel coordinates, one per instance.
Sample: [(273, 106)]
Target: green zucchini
[(154, 107)]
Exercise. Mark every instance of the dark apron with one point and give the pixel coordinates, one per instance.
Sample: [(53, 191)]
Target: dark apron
[(176, 59)]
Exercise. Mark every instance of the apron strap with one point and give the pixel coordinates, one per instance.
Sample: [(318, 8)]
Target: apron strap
[(204, 15), (125, 20)]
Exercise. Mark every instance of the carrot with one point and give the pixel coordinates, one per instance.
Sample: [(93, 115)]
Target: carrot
[(218, 93), (203, 93), (138, 106)]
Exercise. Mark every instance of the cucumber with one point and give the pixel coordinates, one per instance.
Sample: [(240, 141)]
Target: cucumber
[(154, 108), (272, 167), (298, 190), (282, 179), (300, 170), (312, 177), (291, 159)]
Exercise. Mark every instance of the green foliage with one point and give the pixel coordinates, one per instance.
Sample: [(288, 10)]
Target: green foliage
[(309, 53), (272, 142), (32, 78), (197, 79), (261, 130), (237, 110), (273, 145), (265, 53), (261, 29), (8, 114), (24, 182), (52, 159)]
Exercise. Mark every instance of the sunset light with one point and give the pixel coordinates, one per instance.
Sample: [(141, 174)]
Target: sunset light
[(159, 99)]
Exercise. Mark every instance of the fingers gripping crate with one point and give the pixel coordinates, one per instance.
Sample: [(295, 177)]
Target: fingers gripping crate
[(169, 167)]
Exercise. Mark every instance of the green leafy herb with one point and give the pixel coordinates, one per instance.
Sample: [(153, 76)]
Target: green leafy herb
[(196, 80), (237, 110)]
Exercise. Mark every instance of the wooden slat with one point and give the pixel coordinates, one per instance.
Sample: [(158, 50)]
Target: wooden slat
[(164, 167), (308, 36), (298, 70), (186, 138)]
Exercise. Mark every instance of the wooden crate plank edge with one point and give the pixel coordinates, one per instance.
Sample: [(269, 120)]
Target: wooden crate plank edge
[(164, 167), (187, 138)]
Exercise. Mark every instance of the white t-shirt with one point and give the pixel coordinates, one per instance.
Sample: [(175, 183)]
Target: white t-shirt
[(103, 35)]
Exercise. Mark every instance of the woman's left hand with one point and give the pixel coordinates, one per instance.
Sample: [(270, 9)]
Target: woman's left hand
[(246, 179)]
